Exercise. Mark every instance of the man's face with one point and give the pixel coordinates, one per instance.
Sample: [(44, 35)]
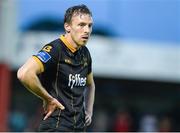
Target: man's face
[(80, 28)]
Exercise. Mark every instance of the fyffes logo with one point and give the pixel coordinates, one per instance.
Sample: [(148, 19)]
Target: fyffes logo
[(76, 80)]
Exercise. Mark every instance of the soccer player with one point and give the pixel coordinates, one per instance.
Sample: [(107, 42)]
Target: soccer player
[(61, 75)]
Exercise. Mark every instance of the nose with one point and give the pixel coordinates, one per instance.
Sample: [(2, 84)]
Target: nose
[(87, 29)]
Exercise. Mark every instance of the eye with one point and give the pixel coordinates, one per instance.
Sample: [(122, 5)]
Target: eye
[(82, 24), (90, 25)]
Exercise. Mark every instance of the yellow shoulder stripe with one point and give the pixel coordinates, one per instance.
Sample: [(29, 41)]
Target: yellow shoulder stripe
[(40, 63)]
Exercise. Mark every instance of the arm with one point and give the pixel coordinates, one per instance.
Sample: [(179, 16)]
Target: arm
[(27, 74), (90, 95)]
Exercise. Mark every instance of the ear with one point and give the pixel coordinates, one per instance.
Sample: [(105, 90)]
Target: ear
[(67, 27)]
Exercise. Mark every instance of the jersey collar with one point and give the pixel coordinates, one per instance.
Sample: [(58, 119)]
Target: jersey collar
[(72, 49)]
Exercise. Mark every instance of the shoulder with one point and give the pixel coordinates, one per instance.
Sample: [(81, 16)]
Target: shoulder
[(55, 43), (85, 49), (52, 46), (50, 50), (86, 52)]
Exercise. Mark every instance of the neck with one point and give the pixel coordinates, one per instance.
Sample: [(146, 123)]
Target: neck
[(71, 42)]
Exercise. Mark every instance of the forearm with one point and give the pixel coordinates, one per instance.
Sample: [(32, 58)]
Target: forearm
[(90, 96), (33, 84)]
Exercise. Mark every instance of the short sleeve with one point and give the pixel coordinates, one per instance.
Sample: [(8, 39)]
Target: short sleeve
[(47, 56)]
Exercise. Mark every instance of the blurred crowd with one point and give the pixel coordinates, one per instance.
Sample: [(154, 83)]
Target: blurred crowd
[(123, 120)]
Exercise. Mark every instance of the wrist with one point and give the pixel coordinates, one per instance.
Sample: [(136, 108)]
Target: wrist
[(90, 113), (48, 99)]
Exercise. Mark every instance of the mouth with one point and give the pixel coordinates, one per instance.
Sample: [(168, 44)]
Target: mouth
[(85, 37)]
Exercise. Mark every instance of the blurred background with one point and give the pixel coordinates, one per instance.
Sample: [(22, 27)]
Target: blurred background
[(135, 47)]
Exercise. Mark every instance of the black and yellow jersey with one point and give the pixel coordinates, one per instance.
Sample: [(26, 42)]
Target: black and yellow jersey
[(64, 76)]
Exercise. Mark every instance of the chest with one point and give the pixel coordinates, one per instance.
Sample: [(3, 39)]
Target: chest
[(74, 63), (73, 69)]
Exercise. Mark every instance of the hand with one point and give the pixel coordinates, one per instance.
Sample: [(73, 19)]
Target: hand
[(51, 106), (88, 118)]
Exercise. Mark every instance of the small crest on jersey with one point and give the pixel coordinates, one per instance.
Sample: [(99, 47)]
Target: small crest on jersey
[(85, 64), (43, 56), (68, 61)]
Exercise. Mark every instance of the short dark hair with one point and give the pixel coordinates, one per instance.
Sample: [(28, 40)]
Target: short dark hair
[(76, 10)]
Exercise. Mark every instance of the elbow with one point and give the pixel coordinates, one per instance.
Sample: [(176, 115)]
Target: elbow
[(21, 74)]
